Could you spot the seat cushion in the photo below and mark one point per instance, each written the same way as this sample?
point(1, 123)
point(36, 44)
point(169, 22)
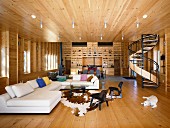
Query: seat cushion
point(35, 99)
point(81, 83)
point(54, 86)
point(22, 89)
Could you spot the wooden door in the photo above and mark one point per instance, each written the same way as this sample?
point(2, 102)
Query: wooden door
point(68, 66)
point(117, 67)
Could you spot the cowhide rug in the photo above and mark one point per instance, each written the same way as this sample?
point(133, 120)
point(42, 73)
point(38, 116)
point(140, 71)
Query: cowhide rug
point(78, 101)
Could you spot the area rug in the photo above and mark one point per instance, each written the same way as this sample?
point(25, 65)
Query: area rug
point(78, 101)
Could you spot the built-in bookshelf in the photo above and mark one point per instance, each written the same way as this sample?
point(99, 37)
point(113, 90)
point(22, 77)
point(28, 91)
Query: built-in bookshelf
point(93, 54)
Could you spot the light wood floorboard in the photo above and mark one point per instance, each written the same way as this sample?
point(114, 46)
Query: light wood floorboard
point(121, 113)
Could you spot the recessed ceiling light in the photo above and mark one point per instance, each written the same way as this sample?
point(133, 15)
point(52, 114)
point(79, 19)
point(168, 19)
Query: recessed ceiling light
point(122, 36)
point(137, 24)
point(41, 25)
point(33, 16)
point(145, 16)
point(105, 24)
point(73, 24)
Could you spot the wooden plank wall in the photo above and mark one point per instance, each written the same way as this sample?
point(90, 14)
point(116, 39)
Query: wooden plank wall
point(13, 66)
point(167, 60)
point(13, 58)
point(3, 83)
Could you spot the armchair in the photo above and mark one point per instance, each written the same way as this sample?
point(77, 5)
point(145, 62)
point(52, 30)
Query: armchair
point(101, 97)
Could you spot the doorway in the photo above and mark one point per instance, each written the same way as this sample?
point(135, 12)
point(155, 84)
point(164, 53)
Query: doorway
point(117, 67)
point(68, 66)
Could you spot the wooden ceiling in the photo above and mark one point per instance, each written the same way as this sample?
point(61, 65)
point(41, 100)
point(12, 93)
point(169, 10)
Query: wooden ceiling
point(89, 16)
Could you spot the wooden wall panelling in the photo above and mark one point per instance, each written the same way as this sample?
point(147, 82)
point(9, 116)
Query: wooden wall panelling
point(42, 56)
point(39, 56)
point(49, 55)
point(3, 83)
point(125, 59)
point(46, 55)
point(162, 52)
point(58, 48)
point(35, 75)
point(167, 61)
point(20, 58)
point(54, 54)
point(33, 57)
point(13, 58)
point(4, 54)
point(56, 57)
point(53, 60)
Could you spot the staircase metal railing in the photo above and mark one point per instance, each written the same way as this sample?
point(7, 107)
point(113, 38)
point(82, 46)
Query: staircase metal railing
point(139, 63)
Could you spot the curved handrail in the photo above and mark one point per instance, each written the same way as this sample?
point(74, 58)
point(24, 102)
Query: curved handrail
point(136, 47)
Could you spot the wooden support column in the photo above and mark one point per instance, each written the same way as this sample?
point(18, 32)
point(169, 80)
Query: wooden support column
point(167, 60)
point(39, 57)
point(33, 57)
point(43, 56)
point(20, 58)
point(13, 58)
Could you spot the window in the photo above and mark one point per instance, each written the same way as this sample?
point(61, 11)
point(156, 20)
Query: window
point(27, 64)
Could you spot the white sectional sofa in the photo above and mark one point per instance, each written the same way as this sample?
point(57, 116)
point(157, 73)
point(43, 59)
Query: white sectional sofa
point(29, 98)
point(38, 100)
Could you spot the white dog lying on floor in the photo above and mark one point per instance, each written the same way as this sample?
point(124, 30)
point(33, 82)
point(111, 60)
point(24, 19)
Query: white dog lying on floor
point(150, 101)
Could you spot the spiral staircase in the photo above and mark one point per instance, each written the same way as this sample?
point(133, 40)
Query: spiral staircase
point(147, 68)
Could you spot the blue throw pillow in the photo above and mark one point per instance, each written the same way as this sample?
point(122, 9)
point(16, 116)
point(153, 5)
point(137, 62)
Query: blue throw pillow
point(40, 82)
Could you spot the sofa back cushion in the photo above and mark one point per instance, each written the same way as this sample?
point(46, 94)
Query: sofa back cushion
point(22, 89)
point(46, 80)
point(10, 91)
point(33, 83)
point(83, 77)
point(41, 82)
point(76, 77)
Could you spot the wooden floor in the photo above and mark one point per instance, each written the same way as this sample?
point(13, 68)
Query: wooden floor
point(125, 113)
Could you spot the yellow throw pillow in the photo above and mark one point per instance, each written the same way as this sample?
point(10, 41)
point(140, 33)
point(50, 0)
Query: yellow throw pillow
point(46, 80)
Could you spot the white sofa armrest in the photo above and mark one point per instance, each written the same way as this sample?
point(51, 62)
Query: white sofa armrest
point(96, 83)
point(3, 99)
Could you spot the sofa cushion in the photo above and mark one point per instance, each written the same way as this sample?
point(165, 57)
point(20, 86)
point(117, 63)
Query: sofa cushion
point(35, 99)
point(46, 80)
point(83, 77)
point(81, 83)
point(89, 78)
point(53, 86)
point(10, 91)
point(94, 79)
point(22, 89)
point(76, 77)
point(41, 82)
point(33, 83)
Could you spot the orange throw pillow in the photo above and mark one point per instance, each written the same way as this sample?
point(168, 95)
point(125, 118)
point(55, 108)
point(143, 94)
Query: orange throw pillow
point(89, 78)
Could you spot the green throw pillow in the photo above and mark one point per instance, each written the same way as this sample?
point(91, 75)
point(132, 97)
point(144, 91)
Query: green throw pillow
point(61, 79)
